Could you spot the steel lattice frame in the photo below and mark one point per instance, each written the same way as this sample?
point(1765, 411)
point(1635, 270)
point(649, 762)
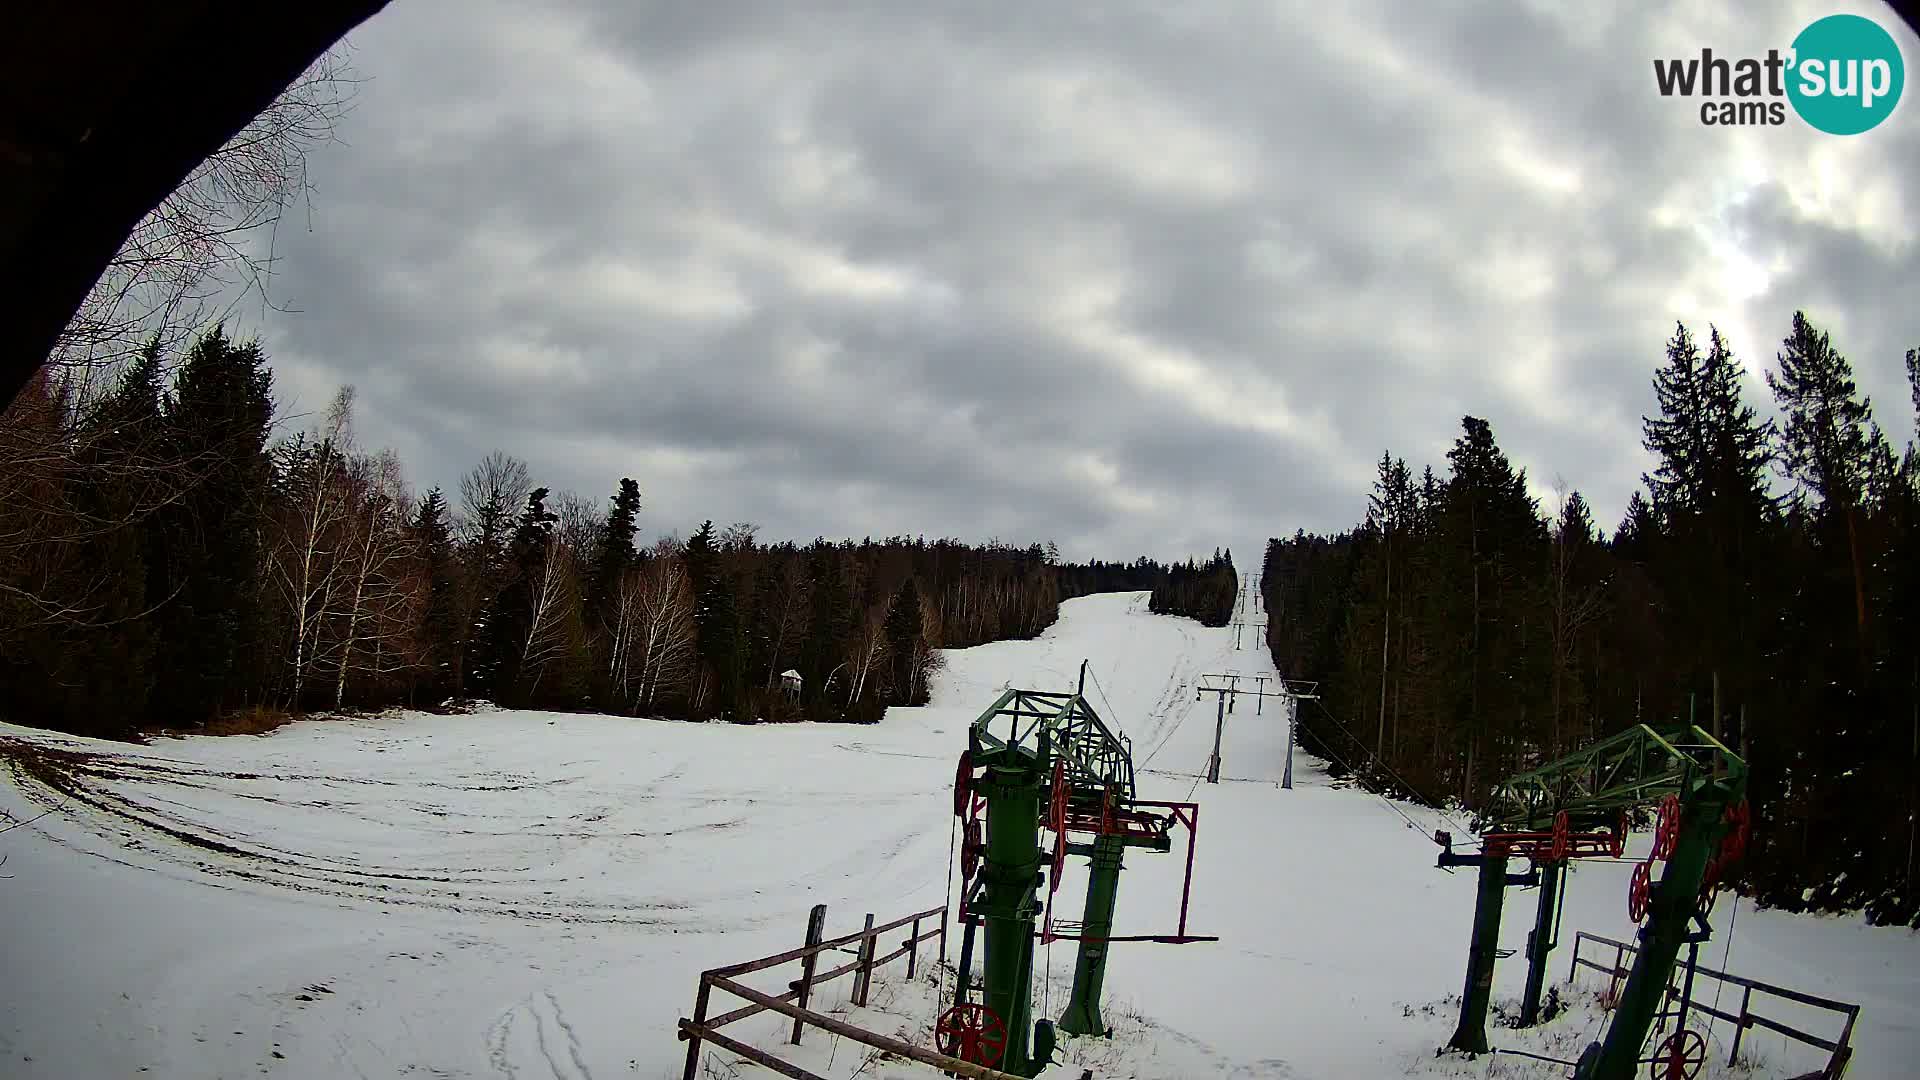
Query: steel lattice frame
point(1592, 785)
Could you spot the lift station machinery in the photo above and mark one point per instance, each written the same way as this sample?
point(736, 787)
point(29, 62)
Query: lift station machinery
point(1577, 807)
point(1039, 761)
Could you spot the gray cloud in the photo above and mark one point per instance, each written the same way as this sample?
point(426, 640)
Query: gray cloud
point(1138, 278)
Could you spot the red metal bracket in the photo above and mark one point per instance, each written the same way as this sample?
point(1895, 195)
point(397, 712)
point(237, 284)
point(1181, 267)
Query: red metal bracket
point(1133, 822)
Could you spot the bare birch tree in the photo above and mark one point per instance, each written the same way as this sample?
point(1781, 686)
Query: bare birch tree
point(491, 495)
point(376, 594)
point(581, 524)
point(657, 604)
point(554, 596)
point(302, 561)
point(788, 613)
point(869, 649)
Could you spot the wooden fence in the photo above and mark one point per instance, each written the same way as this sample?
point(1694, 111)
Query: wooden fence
point(703, 1028)
point(1839, 1050)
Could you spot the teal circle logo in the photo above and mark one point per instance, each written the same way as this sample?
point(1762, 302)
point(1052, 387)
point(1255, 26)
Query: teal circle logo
point(1846, 74)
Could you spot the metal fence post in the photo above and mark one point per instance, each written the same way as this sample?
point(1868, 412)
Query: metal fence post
point(913, 948)
point(864, 977)
point(816, 930)
point(1844, 1052)
point(1613, 977)
point(943, 933)
point(1740, 1030)
point(693, 1038)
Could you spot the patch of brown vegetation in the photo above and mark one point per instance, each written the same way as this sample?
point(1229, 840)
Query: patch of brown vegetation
point(252, 720)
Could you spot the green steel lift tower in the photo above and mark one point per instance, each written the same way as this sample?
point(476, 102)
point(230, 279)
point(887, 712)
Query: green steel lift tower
point(1044, 761)
point(1576, 807)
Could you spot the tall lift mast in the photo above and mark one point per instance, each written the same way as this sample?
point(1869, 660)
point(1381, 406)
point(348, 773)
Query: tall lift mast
point(1035, 760)
point(1551, 814)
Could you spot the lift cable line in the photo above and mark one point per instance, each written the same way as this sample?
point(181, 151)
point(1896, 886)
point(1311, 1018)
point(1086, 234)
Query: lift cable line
point(1726, 954)
point(1389, 770)
point(1226, 689)
point(1111, 711)
point(1161, 745)
point(1390, 804)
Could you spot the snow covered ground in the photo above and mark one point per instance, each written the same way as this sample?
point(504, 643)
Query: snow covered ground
point(530, 895)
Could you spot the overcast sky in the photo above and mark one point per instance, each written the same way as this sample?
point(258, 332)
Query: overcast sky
point(1135, 277)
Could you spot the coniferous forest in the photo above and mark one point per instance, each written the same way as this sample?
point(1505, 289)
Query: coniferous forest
point(1205, 592)
point(172, 558)
point(1764, 584)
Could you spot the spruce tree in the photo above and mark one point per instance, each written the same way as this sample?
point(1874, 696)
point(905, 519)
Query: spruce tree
point(1676, 436)
point(218, 421)
point(1827, 443)
point(904, 639)
point(829, 628)
point(1710, 491)
point(104, 658)
point(715, 617)
point(497, 668)
point(1493, 531)
point(440, 622)
point(615, 553)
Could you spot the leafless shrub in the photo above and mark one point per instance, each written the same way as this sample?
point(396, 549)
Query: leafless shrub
point(210, 244)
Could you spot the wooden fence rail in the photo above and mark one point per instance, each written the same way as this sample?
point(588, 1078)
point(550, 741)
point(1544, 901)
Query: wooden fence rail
point(702, 1028)
point(1839, 1050)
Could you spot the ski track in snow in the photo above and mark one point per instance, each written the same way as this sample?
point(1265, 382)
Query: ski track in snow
point(529, 896)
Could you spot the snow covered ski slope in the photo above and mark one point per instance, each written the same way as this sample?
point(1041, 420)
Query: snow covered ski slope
point(529, 895)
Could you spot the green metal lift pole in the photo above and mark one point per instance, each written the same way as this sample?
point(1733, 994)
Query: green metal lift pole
point(1471, 1035)
point(1090, 970)
point(1541, 942)
point(1011, 870)
point(1669, 910)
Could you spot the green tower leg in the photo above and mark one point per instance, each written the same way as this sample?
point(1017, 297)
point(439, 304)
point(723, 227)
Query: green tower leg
point(1090, 970)
point(1670, 909)
point(1471, 1035)
point(1008, 905)
point(1541, 942)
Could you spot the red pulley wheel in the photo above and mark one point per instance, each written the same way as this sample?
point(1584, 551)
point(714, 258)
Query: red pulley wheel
point(1618, 845)
point(1709, 881)
point(1562, 837)
point(963, 784)
point(1059, 862)
point(1639, 892)
point(1740, 825)
point(970, 849)
point(971, 1032)
point(1679, 1056)
point(1057, 811)
point(1666, 834)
